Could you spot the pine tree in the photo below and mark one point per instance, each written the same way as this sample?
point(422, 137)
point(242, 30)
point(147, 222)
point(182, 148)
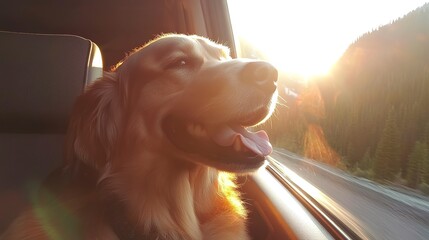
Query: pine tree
point(353, 153)
point(417, 165)
point(426, 161)
point(386, 163)
point(366, 161)
point(425, 164)
point(426, 135)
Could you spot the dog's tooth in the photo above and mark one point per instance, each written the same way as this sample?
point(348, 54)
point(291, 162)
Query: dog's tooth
point(196, 130)
point(237, 145)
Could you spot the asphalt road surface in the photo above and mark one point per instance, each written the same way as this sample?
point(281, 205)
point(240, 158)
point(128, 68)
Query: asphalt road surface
point(380, 212)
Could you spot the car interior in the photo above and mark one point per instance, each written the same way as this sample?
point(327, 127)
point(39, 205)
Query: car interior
point(50, 50)
point(44, 73)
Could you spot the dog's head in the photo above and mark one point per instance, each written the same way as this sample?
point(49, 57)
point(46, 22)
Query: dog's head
point(178, 96)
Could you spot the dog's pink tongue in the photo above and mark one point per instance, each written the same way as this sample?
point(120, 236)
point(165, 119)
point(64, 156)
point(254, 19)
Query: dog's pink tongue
point(257, 142)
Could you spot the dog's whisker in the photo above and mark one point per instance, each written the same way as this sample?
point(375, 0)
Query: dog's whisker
point(284, 102)
point(281, 98)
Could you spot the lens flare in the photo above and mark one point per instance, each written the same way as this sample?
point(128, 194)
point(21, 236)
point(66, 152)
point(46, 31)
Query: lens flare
point(55, 218)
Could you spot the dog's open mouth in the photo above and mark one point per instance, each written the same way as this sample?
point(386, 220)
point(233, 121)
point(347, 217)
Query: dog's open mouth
point(229, 146)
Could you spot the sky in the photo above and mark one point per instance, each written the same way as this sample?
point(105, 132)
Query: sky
point(306, 37)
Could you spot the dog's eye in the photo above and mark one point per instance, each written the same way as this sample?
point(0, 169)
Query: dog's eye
point(180, 63)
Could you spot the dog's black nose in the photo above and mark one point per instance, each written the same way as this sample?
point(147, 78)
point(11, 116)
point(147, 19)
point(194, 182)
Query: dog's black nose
point(261, 74)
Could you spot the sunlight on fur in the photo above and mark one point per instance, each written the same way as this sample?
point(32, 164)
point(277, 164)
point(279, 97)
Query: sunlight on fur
point(228, 188)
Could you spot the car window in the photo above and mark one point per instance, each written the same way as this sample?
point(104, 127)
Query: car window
point(351, 128)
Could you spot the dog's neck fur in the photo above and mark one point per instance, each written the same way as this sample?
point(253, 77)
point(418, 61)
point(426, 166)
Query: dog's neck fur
point(173, 195)
point(163, 193)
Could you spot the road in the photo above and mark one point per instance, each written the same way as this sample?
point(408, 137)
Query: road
point(380, 212)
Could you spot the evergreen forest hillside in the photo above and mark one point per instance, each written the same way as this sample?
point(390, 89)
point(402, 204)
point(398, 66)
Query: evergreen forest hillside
point(371, 114)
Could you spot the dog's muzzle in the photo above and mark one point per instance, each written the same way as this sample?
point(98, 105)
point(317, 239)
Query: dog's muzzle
point(227, 145)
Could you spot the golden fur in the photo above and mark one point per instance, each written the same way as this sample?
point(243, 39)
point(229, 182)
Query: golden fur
point(117, 148)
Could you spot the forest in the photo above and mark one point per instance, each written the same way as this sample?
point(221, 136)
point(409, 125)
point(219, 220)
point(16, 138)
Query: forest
point(370, 115)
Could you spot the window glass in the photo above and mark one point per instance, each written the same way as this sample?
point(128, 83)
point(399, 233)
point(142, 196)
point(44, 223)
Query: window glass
point(352, 119)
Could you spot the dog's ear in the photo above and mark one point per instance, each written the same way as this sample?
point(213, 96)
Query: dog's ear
point(95, 123)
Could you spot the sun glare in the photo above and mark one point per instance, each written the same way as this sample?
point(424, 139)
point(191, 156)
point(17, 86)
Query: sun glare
point(307, 37)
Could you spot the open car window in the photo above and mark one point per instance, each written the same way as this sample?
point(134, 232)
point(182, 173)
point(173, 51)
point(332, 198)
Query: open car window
point(351, 128)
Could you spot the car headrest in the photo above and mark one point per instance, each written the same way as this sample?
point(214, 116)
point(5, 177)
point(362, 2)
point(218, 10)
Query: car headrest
point(40, 77)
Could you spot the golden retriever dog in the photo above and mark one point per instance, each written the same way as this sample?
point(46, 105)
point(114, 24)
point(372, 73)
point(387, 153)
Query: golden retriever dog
point(152, 148)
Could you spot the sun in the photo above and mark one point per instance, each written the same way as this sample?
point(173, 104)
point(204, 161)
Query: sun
point(286, 39)
point(307, 37)
point(300, 62)
point(289, 42)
